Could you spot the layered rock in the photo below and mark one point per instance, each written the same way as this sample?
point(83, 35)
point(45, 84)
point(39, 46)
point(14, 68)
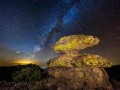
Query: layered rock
point(74, 71)
point(79, 61)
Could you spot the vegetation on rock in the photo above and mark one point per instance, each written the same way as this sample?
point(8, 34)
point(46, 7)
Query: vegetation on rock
point(72, 70)
point(75, 42)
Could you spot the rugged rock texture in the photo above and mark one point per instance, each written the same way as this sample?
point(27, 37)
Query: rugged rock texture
point(79, 61)
point(74, 71)
point(74, 43)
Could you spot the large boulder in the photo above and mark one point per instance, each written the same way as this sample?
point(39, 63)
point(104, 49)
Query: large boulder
point(84, 78)
point(75, 43)
point(74, 71)
point(79, 61)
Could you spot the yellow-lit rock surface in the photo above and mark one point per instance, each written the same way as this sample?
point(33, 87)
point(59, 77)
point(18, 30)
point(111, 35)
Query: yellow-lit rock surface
point(79, 61)
point(75, 43)
point(72, 70)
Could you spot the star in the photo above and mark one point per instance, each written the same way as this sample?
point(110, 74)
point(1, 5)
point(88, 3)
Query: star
point(18, 52)
point(28, 28)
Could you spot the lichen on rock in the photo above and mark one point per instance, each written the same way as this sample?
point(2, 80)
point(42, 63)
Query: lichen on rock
point(75, 71)
point(79, 61)
point(74, 43)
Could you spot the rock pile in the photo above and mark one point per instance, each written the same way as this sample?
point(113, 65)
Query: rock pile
point(74, 71)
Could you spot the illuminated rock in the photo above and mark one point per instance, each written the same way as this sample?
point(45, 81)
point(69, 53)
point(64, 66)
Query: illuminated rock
point(84, 78)
point(74, 71)
point(75, 43)
point(79, 61)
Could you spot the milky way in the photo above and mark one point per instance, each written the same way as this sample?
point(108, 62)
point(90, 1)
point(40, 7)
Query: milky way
point(28, 28)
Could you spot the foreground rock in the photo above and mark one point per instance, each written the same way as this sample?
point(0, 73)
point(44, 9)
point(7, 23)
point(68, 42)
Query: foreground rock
point(74, 43)
point(74, 71)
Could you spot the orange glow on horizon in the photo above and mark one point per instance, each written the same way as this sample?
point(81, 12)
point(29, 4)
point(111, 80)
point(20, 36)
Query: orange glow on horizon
point(25, 61)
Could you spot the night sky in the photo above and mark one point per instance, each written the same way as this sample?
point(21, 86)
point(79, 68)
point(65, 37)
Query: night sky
point(28, 28)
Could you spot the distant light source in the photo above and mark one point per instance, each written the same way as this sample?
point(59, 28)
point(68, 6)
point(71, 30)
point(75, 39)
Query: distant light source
point(25, 61)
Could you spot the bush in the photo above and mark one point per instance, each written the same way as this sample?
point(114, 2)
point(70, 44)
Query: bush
point(29, 73)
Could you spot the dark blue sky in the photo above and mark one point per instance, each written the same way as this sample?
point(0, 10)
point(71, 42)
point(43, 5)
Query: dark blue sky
point(30, 27)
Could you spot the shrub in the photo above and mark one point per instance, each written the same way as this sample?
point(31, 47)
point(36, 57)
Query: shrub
point(29, 74)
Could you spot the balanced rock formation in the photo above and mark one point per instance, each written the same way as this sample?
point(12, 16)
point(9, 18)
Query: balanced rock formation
point(74, 71)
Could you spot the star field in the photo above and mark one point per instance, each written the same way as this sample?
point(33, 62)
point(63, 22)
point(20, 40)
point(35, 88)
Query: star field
point(28, 28)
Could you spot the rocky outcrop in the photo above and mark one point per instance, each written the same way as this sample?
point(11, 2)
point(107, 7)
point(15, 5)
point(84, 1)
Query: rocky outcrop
point(74, 43)
point(74, 71)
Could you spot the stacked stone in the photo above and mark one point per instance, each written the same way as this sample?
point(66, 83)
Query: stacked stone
point(74, 71)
